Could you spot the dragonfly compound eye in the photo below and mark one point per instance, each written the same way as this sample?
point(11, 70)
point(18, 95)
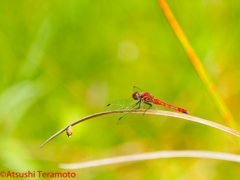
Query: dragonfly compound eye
point(135, 96)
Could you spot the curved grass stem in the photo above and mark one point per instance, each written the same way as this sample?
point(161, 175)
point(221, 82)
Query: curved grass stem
point(154, 155)
point(156, 112)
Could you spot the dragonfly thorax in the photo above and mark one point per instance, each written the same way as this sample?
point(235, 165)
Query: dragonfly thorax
point(147, 97)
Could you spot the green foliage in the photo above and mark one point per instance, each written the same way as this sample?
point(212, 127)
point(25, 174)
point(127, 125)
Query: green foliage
point(63, 60)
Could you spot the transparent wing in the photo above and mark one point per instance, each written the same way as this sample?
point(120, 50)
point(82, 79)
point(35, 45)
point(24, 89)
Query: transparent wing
point(129, 104)
point(136, 89)
point(133, 118)
point(121, 105)
point(154, 107)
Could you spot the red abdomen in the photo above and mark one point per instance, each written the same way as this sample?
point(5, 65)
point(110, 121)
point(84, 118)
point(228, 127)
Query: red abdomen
point(156, 101)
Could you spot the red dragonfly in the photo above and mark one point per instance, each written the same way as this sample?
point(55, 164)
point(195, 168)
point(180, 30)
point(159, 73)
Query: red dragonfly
point(144, 99)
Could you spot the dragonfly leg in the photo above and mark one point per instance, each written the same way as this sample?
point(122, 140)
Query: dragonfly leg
point(149, 107)
point(139, 102)
point(139, 105)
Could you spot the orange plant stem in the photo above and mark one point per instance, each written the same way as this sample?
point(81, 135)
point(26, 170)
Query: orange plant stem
point(198, 65)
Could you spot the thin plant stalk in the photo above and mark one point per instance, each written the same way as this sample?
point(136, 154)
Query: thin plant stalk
point(226, 114)
point(154, 155)
point(155, 112)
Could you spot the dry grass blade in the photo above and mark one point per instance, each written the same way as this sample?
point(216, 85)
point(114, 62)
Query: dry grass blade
point(154, 155)
point(156, 112)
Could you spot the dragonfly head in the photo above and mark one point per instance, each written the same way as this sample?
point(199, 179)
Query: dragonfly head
point(136, 96)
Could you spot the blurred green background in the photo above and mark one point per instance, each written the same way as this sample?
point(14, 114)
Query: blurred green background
point(63, 60)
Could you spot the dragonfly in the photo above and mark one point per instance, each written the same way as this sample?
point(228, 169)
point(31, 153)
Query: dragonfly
point(141, 99)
